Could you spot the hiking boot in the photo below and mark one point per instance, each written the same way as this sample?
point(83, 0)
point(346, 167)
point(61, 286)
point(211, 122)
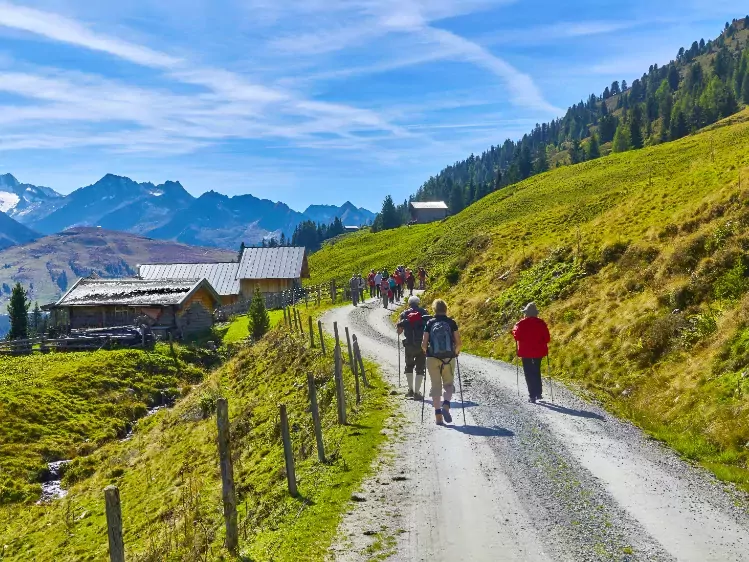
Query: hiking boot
point(418, 396)
point(410, 393)
point(532, 399)
point(438, 417)
point(446, 412)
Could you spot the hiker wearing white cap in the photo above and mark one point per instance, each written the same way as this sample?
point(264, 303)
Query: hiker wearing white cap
point(532, 337)
point(411, 324)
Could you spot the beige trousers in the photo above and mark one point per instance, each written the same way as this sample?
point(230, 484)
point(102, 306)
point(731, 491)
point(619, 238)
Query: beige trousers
point(442, 375)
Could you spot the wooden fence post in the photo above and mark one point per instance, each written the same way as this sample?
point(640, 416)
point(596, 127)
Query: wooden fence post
point(357, 353)
point(335, 333)
point(322, 340)
point(288, 453)
point(296, 321)
point(316, 417)
point(114, 524)
point(319, 296)
point(301, 324)
point(350, 351)
point(333, 290)
point(229, 496)
point(339, 387)
point(311, 333)
point(355, 364)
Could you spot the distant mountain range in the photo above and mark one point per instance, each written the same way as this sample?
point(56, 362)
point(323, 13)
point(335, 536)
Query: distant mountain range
point(166, 211)
point(48, 266)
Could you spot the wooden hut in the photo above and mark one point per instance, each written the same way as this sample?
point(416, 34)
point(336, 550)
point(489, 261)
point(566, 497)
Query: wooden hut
point(221, 276)
point(271, 269)
point(427, 211)
point(181, 306)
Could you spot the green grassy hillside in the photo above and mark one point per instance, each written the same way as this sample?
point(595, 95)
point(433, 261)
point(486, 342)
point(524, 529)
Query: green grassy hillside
point(168, 472)
point(639, 263)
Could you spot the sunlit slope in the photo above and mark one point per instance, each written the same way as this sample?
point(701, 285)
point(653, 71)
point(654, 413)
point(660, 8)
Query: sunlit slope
point(610, 249)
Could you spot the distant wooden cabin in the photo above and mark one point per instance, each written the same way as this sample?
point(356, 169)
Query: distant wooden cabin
point(181, 306)
point(270, 269)
point(428, 211)
point(221, 276)
point(351, 228)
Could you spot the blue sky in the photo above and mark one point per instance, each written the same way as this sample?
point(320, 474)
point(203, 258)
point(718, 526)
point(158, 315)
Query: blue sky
point(316, 101)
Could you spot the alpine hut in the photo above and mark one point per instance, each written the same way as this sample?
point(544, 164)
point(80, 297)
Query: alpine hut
point(180, 306)
point(427, 211)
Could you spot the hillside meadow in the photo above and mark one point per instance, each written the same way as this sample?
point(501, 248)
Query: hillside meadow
point(81, 405)
point(638, 261)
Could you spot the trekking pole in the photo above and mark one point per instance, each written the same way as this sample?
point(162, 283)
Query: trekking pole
point(423, 398)
point(460, 386)
point(548, 376)
point(517, 368)
point(397, 335)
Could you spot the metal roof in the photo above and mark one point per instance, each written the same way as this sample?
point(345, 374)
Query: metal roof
point(132, 292)
point(429, 205)
point(288, 262)
point(221, 276)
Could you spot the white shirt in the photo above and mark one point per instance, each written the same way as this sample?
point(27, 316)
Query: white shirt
point(378, 278)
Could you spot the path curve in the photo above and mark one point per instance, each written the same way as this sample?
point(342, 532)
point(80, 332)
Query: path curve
point(564, 481)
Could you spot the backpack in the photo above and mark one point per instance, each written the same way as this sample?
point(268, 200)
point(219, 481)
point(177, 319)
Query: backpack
point(414, 326)
point(441, 340)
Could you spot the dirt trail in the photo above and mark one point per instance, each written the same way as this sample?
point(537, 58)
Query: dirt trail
point(563, 481)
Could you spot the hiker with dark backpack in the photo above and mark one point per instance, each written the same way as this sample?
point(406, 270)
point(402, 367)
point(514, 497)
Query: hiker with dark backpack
point(532, 337)
point(384, 290)
point(410, 282)
point(441, 344)
point(411, 324)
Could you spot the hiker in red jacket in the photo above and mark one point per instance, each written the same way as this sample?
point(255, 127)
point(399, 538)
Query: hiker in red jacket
point(532, 337)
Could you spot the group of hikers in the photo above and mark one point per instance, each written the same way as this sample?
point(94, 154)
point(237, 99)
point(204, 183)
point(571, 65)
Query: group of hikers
point(432, 343)
point(389, 287)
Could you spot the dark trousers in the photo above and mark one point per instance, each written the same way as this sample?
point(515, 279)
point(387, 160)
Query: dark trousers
point(532, 370)
point(415, 358)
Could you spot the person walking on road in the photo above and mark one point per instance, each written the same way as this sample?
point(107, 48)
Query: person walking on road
point(411, 324)
point(362, 285)
point(354, 286)
point(392, 286)
point(422, 278)
point(441, 343)
point(410, 282)
point(378, 283)
point(384, 290)
point(532, 337)
point(398, 284)
point(371, 283)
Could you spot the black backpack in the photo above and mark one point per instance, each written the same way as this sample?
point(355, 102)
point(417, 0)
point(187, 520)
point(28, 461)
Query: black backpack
point(413, 325)
point(441, 339)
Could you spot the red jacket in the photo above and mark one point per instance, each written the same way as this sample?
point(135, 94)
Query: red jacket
point(532, 336)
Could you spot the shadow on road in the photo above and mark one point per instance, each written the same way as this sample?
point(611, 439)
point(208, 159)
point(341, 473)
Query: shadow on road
point(571, 412)
point(478, 431)
point(456, 405)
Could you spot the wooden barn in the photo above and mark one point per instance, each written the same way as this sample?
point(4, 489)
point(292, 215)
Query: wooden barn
point(221, 276)
point(428, 211)
point(181, 306)
point(271, 269)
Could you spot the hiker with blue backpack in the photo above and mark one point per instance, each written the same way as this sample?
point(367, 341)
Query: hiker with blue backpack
point(441, 343)
point(411, 324)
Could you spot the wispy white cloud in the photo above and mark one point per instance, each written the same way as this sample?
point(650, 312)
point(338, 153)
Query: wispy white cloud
point(66, 30)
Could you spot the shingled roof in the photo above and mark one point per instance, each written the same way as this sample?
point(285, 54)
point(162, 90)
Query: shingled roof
point(132, 292)
point(288, 262)
point(222, 276)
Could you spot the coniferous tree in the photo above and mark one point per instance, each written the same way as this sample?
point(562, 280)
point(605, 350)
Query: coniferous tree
point(745, 89)
point(259, 321)
point(635, 128)
point(622, 141)
point(594, 150)
point(389, 214)
point(456, 200)
point(542, 162)
point(18, 311)
point(36, 320)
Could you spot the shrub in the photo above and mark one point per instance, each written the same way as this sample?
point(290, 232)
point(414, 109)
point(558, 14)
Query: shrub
point(686, 257)
point(452, 275)
point(259, 321)
point(656, 336)
point(732, 284)
point(613, 252)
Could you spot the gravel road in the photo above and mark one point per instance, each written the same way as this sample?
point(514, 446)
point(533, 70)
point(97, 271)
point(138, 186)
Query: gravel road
point(563, 481)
